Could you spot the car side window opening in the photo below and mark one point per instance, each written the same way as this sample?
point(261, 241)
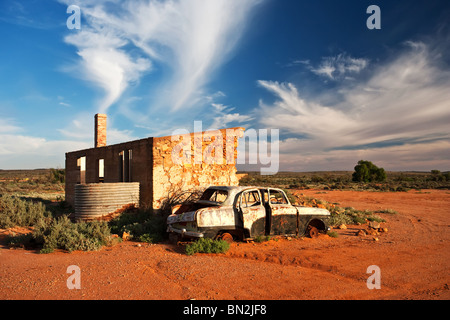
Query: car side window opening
point(250, 199)
point(277, 197)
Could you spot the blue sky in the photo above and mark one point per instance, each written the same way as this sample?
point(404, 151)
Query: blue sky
point(336, 91)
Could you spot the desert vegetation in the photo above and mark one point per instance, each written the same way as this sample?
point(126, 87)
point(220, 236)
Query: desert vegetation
point(343, 180)
point(205, 245)
point(34, 199)
point(366, 171)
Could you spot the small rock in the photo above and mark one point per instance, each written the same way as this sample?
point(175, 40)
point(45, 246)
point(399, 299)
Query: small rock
point(374, 224)
point(362, 233)
point(382, 230)
point(375, 239)
point(125, 236)
point(342, 227)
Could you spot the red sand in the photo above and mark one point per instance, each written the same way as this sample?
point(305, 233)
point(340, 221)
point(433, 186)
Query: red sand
point(413, 257)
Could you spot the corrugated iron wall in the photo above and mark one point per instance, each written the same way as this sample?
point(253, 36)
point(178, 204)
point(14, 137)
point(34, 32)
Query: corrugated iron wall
point(94, 200)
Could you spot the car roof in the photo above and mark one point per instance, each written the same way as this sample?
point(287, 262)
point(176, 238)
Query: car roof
point(234, 190)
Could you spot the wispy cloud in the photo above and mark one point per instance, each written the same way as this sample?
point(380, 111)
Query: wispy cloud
point(336, 67)
point(193, 38)
point(20, 150)
point(106, 63)
point(223, 116)
point(398, 112)
point(81, 130)
point(9, 125)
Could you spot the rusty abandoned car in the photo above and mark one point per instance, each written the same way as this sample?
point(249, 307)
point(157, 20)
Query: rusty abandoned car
point(243, 213)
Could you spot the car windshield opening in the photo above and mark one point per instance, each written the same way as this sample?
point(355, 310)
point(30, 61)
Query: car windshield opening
point(218, 196)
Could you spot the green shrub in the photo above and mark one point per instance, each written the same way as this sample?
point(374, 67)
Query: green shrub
point(359, 220)
point(333, 234)
point(61, 233)
point(376, 218)
point(366, 171)
point(206, 245)
point(17, 212)
point(57, 175)
point(338, 219)
point(260, 239)
point(141, 225)
point(150, 238)
point(390, 211)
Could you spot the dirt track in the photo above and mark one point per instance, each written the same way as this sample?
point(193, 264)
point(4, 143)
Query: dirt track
point(413, 256)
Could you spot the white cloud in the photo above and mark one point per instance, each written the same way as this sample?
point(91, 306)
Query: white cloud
point(82, 130)
point(193, 37)
point(105, 64)
point(8, 125)
point(304, 155)
point(29, 152)
point(299, 116)
point(223, 116)
point(22, 151)
point(399, 115)
point(338, 67)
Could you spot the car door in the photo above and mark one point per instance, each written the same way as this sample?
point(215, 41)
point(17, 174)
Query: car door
point(253, 212)
point(283, 214)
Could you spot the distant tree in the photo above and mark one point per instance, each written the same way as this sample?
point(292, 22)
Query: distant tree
point(58, 175)
point(447, 176)
point(366, 171)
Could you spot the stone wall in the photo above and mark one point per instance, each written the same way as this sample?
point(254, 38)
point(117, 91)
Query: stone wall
point(161, 165)
point(125, 162)
point(194, 161)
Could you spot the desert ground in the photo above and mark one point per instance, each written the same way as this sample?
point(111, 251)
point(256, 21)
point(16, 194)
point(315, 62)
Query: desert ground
point(413, 257)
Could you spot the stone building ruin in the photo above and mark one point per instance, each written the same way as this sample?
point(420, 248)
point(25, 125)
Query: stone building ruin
point(149, 164)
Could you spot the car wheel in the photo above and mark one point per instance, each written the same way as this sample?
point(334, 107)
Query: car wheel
point(226, 237)
point(312, 232)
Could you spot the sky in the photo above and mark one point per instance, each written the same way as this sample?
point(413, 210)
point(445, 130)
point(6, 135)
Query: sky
point(335, 90)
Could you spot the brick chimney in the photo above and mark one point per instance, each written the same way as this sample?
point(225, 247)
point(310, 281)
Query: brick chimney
point(100, 130)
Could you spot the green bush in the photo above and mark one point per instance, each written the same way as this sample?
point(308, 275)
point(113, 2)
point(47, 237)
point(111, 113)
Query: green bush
point(57, 175)
point(150, 238)
point(142, 225)
point(366, 171)
point(333, 234)
point(206, 245)
point(61, 233)
point(338, 219)
point(260, 239)
point(17, 212)
point(376, 218)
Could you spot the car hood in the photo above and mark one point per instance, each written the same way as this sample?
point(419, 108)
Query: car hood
point(311, 210)
point(184, 217)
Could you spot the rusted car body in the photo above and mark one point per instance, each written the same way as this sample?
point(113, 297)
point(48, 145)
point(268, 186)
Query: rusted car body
point(245, 213)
